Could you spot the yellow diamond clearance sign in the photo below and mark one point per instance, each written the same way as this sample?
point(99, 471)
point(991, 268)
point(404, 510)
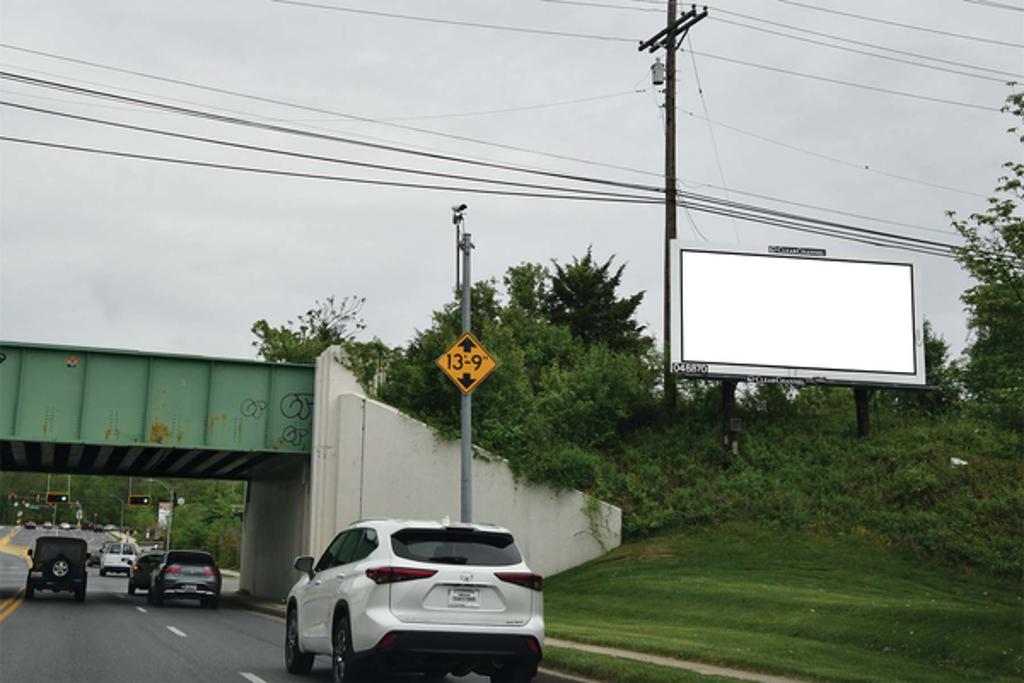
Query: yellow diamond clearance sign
point(467, 363)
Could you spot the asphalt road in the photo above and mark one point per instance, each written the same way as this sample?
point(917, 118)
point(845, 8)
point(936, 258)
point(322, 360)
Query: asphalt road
point(116, 638)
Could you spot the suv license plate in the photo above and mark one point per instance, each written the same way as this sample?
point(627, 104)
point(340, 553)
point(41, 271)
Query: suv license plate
point(190, 588)
point(463, 597)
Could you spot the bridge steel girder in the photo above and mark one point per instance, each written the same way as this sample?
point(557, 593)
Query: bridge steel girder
point(101, 411)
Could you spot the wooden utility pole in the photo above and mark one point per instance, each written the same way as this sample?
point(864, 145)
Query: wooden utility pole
point(670, 38)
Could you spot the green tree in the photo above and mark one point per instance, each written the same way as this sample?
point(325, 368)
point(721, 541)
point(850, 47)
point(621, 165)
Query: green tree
point(329, 322)
point(583, 297)
point(940, 373)
point(993, 254)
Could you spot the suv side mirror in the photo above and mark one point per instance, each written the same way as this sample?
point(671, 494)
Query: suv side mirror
point(304, 563)
point(30, 552)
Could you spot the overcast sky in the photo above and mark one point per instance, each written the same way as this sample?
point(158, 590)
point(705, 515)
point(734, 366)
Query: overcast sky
point(123, 253)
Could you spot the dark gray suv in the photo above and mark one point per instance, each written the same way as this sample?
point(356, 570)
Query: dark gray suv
point(186, 574)
point(142, 571)
point(58, 564)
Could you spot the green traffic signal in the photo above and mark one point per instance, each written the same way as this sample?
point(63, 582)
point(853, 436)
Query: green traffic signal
point(138, 500)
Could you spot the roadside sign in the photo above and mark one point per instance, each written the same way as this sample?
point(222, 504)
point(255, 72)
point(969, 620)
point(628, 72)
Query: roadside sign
point(467, 363)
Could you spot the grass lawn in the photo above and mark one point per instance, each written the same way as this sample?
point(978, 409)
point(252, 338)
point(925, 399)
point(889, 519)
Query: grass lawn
point(837, 609)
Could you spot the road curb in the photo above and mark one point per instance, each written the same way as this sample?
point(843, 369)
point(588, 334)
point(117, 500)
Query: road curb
point(269, 608)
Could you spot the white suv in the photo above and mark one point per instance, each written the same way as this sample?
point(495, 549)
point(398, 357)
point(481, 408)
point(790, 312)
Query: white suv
point(396, 595)
point(117, 557)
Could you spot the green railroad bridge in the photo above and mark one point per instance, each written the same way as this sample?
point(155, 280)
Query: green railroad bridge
point(100, 411)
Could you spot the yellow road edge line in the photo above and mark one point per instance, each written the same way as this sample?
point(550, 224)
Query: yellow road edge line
point(15, 605)
point(16, 550)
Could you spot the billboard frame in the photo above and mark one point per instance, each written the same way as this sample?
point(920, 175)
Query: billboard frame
point(791, 375)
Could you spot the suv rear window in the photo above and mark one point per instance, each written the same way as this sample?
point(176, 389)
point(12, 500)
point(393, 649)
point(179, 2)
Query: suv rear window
point(201, 559)
point(50, 550)
point(446, 546)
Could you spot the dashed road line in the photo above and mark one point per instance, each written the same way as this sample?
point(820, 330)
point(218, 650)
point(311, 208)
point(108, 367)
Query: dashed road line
point(252, 678)
point(141, 609)
point(176, 632)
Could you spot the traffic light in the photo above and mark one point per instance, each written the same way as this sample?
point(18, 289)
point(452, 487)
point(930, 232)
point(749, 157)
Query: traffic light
point(138, 500)
point(52, 497)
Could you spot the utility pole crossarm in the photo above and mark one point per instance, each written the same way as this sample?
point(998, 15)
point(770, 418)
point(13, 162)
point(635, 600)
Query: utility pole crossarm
point(660, 39)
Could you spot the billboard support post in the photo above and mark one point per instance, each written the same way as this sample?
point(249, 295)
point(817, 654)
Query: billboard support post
point(861, 396)
point(730, 440)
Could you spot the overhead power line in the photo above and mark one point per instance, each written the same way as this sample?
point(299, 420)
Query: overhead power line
point(839, 81)
point(778, 200)
point(831, 36)
point(698, 202)
point(827, 157)
point(302, 155)
point(391, 168)
point(996, 5)
point(90, 92)
point(791, 72)
point(780, 220)
point(866, 53)
point(312, 176)
point(912, 27)
point(458, 22)
point(298, 132)
point(711, 131)
point(321, 110)
point(861, 43)
point(510, 110)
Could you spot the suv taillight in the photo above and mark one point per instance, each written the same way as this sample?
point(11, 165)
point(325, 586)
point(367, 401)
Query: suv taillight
point(211, 571)
point(172, 569)
point(394, 574)
point(135, 567)
point(524, 579)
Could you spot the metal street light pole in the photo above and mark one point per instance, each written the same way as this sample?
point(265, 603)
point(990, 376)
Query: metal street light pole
point(121, 503)
point(170, 516)
point(465, 246)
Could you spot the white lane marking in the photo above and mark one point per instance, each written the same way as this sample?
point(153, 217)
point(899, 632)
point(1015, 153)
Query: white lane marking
point(252, 678)
point(176, 632)
point(141, 609)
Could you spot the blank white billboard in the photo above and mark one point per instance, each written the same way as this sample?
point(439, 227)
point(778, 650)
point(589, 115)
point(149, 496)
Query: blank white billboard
point(796, 316)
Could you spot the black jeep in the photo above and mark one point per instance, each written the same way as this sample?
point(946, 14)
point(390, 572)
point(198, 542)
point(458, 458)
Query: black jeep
point(58, 564)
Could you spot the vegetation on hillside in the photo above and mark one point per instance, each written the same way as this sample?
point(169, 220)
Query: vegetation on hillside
point(576, 403)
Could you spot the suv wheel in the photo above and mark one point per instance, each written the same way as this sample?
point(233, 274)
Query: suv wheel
point(80, 594)
point(131, 588)
point(342, 666)
point(295, 660)
point(30, 590)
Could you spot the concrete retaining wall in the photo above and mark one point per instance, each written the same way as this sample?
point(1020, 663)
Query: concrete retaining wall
point(373, 461)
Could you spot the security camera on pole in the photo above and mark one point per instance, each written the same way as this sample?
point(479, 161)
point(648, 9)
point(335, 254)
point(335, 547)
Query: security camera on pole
point(466, 363)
